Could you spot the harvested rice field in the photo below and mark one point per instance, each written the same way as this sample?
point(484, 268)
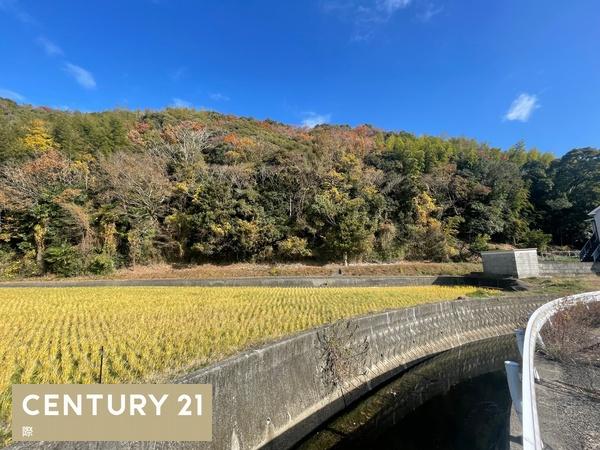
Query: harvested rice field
point(54, 335)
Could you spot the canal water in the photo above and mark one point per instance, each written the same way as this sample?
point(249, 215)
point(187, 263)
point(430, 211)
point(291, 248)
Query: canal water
point(457, 400)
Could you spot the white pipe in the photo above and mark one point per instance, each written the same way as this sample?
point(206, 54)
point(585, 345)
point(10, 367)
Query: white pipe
point(513, 375)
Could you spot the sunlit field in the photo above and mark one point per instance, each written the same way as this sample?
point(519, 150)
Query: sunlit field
point(54, 335)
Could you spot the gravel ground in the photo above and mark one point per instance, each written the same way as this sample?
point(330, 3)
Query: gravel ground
point(568, 401)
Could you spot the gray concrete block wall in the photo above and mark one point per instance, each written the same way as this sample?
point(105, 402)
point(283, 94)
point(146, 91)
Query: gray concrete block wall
point(274, 396)
point(521, 263)
point(565, 269)
point(332, 281)
point(400, 397)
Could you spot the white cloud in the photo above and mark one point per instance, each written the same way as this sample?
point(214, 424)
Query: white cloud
point(429, 12)
point(312, 119)
point(391, 6)
point(49, 47)
point(218, 97)
point(180, 103)
point(7, 93)
point(522, 107)
point(82, 76)
point(62, 107)
point(365, 15)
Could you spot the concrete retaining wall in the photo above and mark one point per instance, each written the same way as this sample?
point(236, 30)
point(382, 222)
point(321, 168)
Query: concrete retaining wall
point(521, 263)
point(381, 411)
point(274, 396)
point(556, 268)
point(283, 396)
point(333, 281)
point(527, 263)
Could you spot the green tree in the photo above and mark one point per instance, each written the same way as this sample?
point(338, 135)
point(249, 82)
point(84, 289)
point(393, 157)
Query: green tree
point(576, 192)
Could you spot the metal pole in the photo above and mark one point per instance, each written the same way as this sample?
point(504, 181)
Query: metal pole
point(520, 335)
point(101, 361)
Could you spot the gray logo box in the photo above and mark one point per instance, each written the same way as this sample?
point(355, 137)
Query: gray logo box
point(112, 412)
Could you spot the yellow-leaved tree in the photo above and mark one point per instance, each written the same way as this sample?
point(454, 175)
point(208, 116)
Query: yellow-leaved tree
point(430, 237)
point(38, 138)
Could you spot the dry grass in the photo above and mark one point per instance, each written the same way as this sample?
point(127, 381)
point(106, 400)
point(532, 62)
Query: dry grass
point(562, 287)
point(572, 335)
point(53, 335)
point(204, 271)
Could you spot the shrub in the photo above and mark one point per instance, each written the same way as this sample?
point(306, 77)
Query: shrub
point(265, 254)
point(27, 266)
point(570, 336)
point(293, 248)
point(480, 243)
point(387, 247)
point(101, 265)
point(537, 239)
point(63, 260)
point(9, 265)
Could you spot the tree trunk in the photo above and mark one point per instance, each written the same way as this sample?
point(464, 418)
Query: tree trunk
point(39, 233)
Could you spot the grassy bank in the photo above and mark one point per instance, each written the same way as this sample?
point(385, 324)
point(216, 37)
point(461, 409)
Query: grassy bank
point(204, 271)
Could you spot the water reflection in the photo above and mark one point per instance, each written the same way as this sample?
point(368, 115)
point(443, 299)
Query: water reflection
point(456, 400)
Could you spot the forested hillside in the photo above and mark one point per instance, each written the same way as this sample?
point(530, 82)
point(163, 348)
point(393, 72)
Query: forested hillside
point(91, 192)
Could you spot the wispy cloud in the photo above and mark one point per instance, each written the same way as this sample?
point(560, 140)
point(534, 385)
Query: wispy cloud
point(365, 15)
point(218, 97)
point(82, 76)
point(178, 73)
point(49, 47)
point(181, 103)
point(62, 107)
point(391, 6)
point(430, 11)
point(522, 107)
point(312, 119)
point(14, 8)
point(7, 93)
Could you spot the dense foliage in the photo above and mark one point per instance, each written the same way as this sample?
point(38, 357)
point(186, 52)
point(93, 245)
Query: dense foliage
point(91, 192)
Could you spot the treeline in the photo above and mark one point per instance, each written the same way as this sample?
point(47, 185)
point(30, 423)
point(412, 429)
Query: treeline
point(91, 192)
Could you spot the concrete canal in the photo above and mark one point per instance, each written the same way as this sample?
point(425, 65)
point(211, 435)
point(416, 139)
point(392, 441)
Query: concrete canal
point(458, 399)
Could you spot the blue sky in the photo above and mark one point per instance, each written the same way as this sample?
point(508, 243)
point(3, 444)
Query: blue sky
point(498, 71)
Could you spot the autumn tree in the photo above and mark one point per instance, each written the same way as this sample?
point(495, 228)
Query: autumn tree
point(45, 195)
point(38, 138)
point(138, 186)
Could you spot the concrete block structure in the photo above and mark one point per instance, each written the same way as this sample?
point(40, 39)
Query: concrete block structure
point(522, 263)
